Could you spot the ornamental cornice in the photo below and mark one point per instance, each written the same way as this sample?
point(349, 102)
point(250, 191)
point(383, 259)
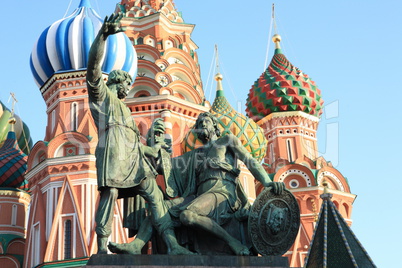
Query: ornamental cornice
point(157, 19)
point(59, 161)
point(164, 98)
point(320, 189)
point(15, 193)
point(288, 114)
point(62, 76)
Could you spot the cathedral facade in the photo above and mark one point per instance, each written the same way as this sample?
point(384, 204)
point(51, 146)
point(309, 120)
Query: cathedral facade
point(279, 129)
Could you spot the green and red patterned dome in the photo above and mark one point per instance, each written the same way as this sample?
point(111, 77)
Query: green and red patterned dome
point(13, 162)
point(283, 87)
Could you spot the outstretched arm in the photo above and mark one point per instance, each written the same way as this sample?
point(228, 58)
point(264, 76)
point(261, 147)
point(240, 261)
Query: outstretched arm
point(255, 168)
point(110, 26)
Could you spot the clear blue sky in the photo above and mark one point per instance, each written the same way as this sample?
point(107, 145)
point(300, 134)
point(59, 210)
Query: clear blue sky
point(351, 49)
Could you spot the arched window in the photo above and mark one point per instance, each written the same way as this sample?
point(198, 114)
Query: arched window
point(271, 152)
point(140, 41)
point(346, 208)
point(169, 44)
point(67, 239)
point(53, 119)
point(14, 215)
point(74, 116)
point(245, 183)
point(36, 245)
point(289, 149)
point(309, 149)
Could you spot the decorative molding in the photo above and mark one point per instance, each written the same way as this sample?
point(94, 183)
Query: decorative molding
point(288, 114)
point(59, 161)
point(295, 172)
point(332, 176)
point(15, 193)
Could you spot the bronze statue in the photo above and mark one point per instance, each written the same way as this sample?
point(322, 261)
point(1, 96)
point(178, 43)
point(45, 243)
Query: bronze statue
point(123, 169)
point(210, 192)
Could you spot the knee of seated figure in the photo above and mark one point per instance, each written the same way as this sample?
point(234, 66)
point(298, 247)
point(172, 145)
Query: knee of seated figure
point(188, 217)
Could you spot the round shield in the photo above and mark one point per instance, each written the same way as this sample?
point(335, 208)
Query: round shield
point(273, 222)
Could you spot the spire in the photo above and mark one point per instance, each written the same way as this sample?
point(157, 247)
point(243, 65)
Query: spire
point(276, 38)
point(334, 243)
point(218, 76)
point(12, 119)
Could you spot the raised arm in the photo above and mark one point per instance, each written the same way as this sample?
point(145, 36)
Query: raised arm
point(110, 26)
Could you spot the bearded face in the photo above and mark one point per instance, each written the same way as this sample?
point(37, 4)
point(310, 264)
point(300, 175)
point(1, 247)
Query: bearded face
point(276, 220)
point(205, 129)
point(119, 82)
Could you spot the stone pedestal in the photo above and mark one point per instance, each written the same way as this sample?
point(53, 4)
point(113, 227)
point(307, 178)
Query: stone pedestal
point(184, 261)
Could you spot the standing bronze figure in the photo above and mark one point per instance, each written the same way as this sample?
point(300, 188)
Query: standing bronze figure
point(123, 169)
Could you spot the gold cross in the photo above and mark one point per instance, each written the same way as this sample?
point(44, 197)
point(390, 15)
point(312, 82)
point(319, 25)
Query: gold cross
point(12, 95)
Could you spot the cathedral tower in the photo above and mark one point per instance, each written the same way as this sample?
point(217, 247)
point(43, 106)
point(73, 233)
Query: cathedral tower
point(168, 83)
point(287, 104)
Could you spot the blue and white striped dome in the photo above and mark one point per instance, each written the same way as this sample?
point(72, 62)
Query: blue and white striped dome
point(64, 46)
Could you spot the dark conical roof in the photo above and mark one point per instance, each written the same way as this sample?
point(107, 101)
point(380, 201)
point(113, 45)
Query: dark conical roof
point(334, 243)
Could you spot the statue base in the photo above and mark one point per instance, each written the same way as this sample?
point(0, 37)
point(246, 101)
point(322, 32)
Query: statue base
point(187, 261)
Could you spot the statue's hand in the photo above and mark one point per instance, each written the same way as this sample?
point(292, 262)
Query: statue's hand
point(158, 127)
point(156, 136)
point(277, 187)
point(242, 214)
point(111, 25)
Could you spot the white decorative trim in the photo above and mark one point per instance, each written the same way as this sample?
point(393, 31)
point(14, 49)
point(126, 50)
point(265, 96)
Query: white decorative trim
point(85, 181)
point(332, 176)
point(295, 172)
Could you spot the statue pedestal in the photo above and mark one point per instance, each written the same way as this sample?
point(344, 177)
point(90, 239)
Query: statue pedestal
point(183, 261)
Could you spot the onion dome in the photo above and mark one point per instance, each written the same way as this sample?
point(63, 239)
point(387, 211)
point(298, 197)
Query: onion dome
point(13, 162)
point(283, 87)
point(230, 121)
point(64, 46)
point(21, 130)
